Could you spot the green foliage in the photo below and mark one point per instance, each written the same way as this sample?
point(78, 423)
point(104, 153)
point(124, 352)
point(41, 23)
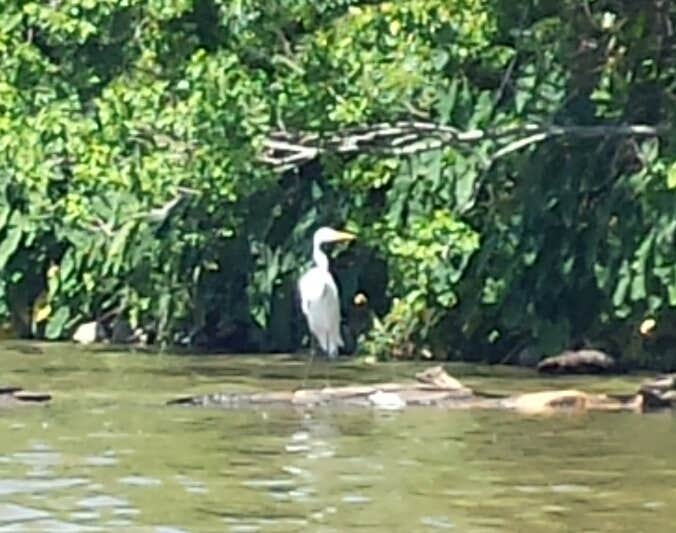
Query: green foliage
point(110, 108)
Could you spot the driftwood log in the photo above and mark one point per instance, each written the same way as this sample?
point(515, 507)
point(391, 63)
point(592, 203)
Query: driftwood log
point(577, 362)
point(14, 396)
point(431, 388)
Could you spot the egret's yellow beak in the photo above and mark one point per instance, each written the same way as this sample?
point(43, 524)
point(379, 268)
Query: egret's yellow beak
point(343, 236)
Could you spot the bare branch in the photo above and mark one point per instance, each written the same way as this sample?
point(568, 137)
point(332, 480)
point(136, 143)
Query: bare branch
point(506, 80)
point(519, 144)
point(278, 58)
point(283, 149)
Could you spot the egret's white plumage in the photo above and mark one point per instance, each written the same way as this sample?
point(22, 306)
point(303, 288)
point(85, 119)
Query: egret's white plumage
point(319, 297)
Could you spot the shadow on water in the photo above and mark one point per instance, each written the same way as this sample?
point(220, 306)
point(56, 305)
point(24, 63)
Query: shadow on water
point(106, 454)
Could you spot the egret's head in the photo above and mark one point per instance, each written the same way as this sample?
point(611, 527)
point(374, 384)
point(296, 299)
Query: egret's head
point(326, 234)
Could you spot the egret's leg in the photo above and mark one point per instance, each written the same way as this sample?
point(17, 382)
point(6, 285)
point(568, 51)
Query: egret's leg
point(327, 383)
point(313, 350)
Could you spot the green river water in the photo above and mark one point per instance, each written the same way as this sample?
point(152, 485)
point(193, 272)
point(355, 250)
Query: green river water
point(107, 455)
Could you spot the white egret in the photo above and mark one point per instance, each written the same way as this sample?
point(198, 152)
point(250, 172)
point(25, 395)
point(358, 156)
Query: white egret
point(319, 298)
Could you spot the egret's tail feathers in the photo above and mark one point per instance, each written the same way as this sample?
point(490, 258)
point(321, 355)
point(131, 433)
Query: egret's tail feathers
point(330, 343)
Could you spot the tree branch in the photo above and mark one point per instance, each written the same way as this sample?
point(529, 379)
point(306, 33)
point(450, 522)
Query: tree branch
point(283, 150)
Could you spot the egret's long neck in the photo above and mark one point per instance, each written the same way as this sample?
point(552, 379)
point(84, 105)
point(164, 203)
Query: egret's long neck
point(319, 257)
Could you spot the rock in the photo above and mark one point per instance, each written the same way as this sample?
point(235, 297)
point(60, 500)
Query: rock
point(89, 332)
point(389, 401)
point(661, 383)
point(669, 396)
point(144, 337)
point(659, 392)
point(527, 356)
point(437, 377)
point(539, 402)
point(571, 400)
point(121, 332)
point(577, 362)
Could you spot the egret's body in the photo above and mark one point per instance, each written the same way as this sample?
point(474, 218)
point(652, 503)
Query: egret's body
point(319, 297)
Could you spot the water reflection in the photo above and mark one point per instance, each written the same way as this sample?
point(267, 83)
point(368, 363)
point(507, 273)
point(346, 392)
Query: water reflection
point(108, 455)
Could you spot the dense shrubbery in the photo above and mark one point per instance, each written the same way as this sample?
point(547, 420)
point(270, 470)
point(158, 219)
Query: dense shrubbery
point(108, 107)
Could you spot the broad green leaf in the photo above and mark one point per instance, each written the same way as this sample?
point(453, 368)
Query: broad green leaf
point(119, 242)
point(440, 58)
point(9, 245)
point(650, 149)
point(57, 322)
point(464, 189)
point(671, 176)
point(620, 293)
point(446, 101)
point(483, 109)
point(5, 212)
point(638, 287)
point(671, 291)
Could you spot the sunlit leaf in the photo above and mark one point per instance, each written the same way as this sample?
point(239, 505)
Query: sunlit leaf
point(671, 176)
point(9, 245)
point(57, 322)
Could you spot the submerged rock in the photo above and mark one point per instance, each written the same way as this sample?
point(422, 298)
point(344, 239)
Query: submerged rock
point(389, 401)
point(32, 396)
point(577, 362)
point(660, 392)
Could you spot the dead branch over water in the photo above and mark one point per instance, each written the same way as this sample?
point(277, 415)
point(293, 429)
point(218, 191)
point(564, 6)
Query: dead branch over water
point(284, 150)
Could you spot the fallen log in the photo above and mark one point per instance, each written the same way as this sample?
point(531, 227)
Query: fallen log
point(432, 388)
